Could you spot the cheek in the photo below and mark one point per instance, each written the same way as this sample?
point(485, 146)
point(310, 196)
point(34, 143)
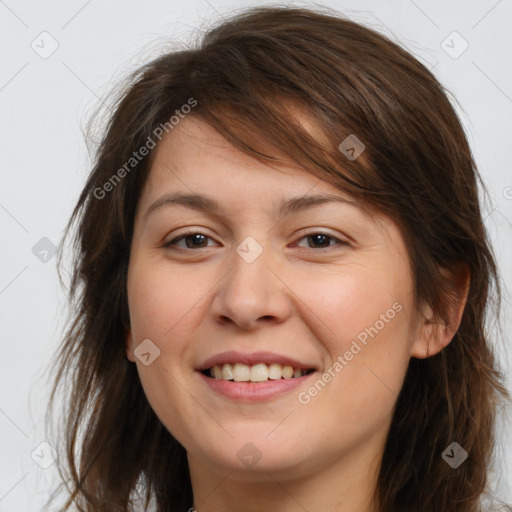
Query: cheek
point(162, 303)
point(358, 303)
point(365, 334)
point(161, 300)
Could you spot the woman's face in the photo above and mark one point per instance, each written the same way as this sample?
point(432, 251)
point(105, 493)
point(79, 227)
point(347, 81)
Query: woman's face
point(272, 278)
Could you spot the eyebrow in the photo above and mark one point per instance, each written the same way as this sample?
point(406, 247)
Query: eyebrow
point(208, 204)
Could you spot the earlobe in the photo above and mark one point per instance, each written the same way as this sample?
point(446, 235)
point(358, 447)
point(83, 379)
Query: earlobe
point(435, 334)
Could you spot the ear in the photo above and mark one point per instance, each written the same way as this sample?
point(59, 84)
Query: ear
point(130, 346)
point(435, 334)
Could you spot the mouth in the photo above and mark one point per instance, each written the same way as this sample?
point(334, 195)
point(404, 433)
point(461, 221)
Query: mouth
point(254, 377)
point(259, 372)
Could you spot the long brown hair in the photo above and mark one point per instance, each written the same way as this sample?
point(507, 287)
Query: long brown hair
point(417, 169)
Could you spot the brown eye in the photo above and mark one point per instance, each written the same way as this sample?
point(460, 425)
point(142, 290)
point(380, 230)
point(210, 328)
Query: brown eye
point(322, 241)
point(194, 240)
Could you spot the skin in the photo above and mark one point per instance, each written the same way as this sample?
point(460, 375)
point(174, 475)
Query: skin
point(298, 299)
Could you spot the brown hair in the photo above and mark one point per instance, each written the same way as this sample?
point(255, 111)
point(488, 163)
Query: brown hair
point(417, 169)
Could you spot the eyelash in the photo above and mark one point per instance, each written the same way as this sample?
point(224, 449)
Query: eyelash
point(168, 245)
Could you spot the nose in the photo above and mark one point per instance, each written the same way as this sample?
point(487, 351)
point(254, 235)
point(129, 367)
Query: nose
point(252, 293)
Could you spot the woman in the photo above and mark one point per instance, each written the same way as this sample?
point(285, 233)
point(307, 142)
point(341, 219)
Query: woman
point(281, 279)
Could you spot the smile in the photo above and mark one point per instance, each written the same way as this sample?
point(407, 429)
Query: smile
point(254, 377)
point(260, 372)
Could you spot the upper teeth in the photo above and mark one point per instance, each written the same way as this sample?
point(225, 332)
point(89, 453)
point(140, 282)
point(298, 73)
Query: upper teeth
point(260, 372)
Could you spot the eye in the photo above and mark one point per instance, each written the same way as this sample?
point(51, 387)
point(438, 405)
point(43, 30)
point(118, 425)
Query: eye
point(322, 240)
point(193, 240)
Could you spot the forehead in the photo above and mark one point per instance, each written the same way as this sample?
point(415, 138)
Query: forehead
point(194, 157)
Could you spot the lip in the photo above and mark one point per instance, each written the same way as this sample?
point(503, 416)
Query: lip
point(250, 392)
point(252, 359)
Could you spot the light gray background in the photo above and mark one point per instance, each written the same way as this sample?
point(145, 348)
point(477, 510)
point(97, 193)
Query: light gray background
point(44, 162)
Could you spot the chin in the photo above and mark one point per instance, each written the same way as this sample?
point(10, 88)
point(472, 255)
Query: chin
point(254, 457)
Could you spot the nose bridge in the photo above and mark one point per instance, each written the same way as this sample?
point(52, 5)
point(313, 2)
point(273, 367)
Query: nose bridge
point(250, 277)
point(250, 290)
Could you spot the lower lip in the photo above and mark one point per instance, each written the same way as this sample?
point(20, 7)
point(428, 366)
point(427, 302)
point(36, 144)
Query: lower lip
point(254, 391)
